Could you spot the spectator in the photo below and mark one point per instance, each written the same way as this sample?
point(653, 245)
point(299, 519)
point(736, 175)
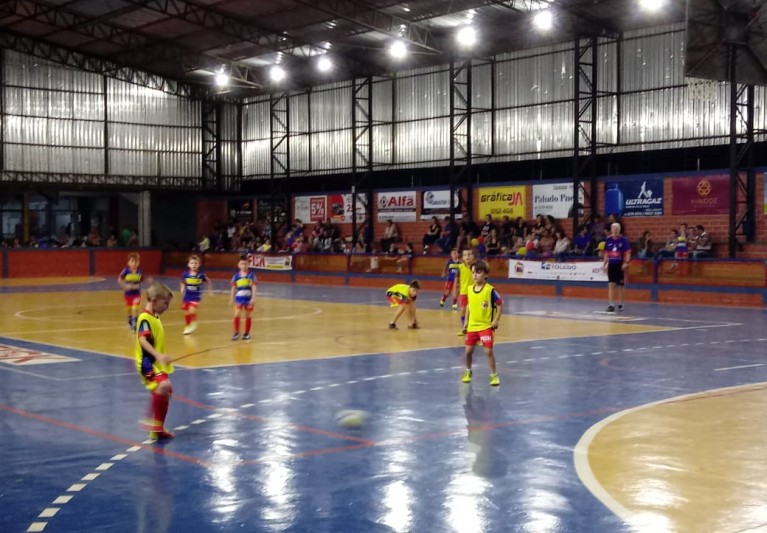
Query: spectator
point(448, 237)
point(403, 261)
point(507, 232)
point(644, 246)
point(562, 246)
point(204, 244)
point(701, 243)
point(492, 244)
point(546, 243)
point(432, 235)
point(670, 247)
point(489, 225)
point(112, 241)
point(582, 242)
point(391, 235)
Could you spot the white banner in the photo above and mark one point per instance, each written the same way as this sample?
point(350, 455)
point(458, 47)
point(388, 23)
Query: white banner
point(550, 270)
point(270, 262)
point(311, 208)
point(437, 203)
point(398, 206)
point(554, 199)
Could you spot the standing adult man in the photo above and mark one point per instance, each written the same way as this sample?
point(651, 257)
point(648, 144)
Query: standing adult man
point(616, 260)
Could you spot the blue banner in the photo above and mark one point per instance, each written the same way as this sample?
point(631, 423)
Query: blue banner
point(634, 198)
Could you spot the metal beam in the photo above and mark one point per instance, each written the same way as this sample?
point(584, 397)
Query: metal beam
point(101, 181)
point(460, 131)
point(584, 130)
point(362, 155)
point(279, 151)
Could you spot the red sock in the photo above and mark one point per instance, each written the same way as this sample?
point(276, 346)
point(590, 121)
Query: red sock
point(188, 319)
point(455, 301)
point(192, 317)
point(237, 324)
point(248, 322)
point(159, 410)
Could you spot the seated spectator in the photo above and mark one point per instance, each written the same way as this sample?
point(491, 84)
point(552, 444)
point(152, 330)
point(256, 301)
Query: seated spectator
point(204, 244)
point(531, 245)
point(582, 242)
point(492, 243)
point(701, 243)
point(487, 227)
point(432, 235)
point(670, 247)
point(546, 243)
point(562, 246)
point(448, 237)
point(507, 232)
point(390, 236)
point(405, 256)
point(644, 246)
point(112, 241)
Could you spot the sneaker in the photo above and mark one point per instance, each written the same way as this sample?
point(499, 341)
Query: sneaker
point(466, 376)
point(414, 325)
point(246, 337)
point(187, 330)
point(454, 307)
point(392, 325)
point(235, 336)
point(442, 303)
point(620, 308)
point(161, 435)
point(611, 309)
point(462, 333)
point(495, 380)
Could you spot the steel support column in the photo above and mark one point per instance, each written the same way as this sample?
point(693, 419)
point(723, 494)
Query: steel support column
point(584, 131)
point(742, 219)
point(279, 150)
point(460, 132)
point(362, 155)
point(211, 146)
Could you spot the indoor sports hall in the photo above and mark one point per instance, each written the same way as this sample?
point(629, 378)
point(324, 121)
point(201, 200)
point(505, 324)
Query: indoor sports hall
point(350, 266)
point(601, 423)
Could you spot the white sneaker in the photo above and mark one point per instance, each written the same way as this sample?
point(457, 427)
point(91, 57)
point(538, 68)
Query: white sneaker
point(190, 328)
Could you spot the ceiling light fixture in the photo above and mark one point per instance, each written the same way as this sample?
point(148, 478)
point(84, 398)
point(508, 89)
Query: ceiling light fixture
point(651, 5)
point(324, 64)
point(398, 50)
point(277, 73)
point(543, 20)
point(466, 36)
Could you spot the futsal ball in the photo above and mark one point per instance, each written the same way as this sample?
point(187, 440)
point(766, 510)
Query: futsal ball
point(475, 242)
point(351, 418)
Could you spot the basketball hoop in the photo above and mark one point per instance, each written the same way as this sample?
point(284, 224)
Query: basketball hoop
point(700, 90)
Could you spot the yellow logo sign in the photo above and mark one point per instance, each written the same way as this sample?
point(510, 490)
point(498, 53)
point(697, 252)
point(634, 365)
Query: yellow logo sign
point(502, 201)
point(704, 187)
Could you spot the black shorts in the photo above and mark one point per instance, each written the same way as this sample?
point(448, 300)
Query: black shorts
point(615, 273)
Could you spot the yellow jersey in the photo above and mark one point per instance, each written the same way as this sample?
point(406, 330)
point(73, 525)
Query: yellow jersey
point(483, 307)
point(464, 278)
point(149, 326)
point(400, 291)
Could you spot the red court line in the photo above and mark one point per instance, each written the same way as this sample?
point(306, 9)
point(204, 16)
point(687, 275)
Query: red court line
point(106, 436)
point(257, 418)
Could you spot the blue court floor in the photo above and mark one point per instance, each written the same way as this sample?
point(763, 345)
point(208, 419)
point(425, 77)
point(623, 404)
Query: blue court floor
point(258, 448)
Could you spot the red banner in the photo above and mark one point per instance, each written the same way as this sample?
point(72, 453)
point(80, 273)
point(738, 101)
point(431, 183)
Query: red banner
point(701, 195)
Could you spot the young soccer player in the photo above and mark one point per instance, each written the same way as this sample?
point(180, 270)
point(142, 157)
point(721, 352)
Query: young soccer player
point(464, 282)
point(403, 296)
point(152, 363)
point(482, 316)
point(244, 284)
point(130, 281)
point(451, 271)
point(191, 292)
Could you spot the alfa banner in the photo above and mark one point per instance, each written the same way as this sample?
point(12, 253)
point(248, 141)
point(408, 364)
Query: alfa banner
point(270, 262)
point(551, 270)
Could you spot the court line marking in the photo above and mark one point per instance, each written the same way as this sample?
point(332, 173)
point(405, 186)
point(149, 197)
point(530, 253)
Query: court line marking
point(738, 367)
point(581, 449)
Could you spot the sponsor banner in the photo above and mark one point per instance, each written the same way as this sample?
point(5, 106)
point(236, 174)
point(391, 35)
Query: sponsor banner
point(551, 270)
point(398, 206)
point(270, 262)
point(241, 210)
point(701, 195)
point(634, 198)
point(336, 207)
point(437, 204)
point(12, 355)
point(502, 201)
point(555, 199)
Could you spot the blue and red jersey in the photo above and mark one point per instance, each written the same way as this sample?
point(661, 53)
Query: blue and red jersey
point(452, 269)
point(243, 287)
point(193, 285)
point(616, 248)
point(129, 276)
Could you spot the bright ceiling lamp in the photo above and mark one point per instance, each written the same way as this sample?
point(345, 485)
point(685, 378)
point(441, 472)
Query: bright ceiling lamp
point(651, 5)
point(543, 20)
point(324, 64)
point(277, 73)
point(466, 37)
point(221, 78)
point(398, 50)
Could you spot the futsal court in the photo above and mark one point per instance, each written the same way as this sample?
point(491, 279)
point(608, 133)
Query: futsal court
point(650, 420)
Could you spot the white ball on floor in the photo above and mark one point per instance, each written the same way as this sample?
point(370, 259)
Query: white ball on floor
point(351, 418)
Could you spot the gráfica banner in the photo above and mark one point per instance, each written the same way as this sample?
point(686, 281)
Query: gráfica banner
point(502, 201)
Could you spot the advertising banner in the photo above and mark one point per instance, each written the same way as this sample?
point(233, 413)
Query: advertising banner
point(398, 206)
point(634, 198)
point(437, 204)
point(502, 201)
point(555, 199)
point(266, 262)
point(701, 195)
point(551, 270)
point(336, 207)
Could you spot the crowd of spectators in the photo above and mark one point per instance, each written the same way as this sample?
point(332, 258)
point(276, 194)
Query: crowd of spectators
point(66, 238)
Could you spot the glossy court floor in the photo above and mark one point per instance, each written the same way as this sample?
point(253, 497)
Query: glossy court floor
point(652, 420)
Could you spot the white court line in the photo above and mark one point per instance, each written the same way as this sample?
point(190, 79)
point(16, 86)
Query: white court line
point(737, 367)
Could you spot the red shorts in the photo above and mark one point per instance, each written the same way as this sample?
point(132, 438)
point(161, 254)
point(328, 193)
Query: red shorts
point(186, 306)
point(395, 299)
point(243, 307)
point(153, 379)
point(132, 301)
point(463, 300)
point(485, 337)
point(449, 285)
